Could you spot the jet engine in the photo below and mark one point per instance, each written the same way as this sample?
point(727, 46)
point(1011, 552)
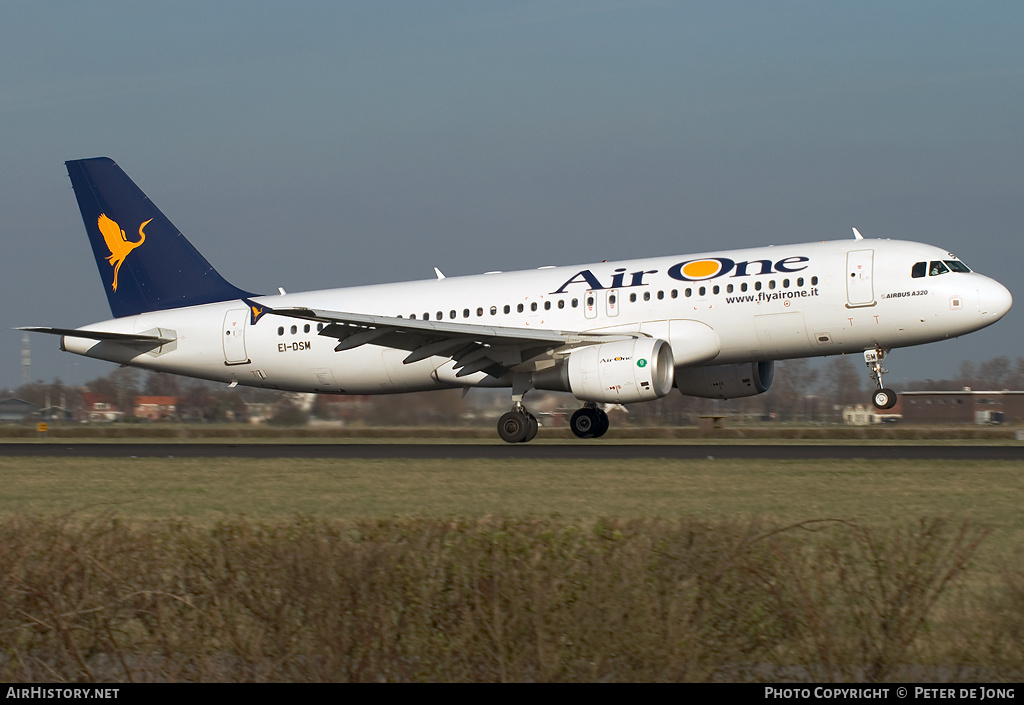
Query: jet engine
point(726, 381)
point(623, 372)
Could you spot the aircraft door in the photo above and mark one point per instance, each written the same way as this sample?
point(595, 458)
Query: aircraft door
point(859, 288)
point(612, 302)
point(590, 304)
point(234, 336)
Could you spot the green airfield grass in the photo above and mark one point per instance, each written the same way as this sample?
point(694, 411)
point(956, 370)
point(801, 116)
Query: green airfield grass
point(205, 491)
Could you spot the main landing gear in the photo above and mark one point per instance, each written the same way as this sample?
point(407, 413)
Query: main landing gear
point(883, 397)
point(589, 422)
point(518, 425)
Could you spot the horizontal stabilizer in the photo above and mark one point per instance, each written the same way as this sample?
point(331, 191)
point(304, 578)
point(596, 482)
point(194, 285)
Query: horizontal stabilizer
point(127, 338)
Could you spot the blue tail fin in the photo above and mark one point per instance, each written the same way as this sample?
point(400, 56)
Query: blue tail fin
point(145, 263)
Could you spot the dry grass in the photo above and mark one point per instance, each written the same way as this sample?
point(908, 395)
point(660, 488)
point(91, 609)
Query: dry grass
point(228, 570)
point(494, 599)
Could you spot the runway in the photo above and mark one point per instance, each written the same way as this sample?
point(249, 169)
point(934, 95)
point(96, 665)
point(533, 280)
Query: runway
point(570, 451)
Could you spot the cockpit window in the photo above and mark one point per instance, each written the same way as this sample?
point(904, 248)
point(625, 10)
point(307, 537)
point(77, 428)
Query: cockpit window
point(936, 268)
point(919, 270)
point(957, 266)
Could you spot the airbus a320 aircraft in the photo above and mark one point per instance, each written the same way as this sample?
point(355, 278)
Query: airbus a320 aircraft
point(709, 324)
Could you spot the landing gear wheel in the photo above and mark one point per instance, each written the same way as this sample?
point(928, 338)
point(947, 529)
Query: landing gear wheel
point(884, 398)
point(582, 423)
point(531, 427)
point(513, 427)
point(589, 422)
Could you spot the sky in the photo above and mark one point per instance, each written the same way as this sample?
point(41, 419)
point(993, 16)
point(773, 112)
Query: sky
point(311, 145)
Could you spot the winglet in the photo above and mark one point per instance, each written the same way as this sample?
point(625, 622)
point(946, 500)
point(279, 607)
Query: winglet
point(857, 235)
point(256, 311)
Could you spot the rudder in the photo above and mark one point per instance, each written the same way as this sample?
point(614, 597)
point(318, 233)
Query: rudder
point(146, 264)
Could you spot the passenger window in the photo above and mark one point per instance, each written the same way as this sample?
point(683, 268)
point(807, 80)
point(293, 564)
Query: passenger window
point(675, 293)
point(295, 329)
point(280, 331)
point(440, 315)
point(936, 268)
point(519, 308)
point(547, 305)
point(451, 314)
point(814, 281)
point(533, 306)
point(507, 308)
point(494, 310)
point(661, 295)
point(689, 293)
point(575, 303)
point(919, 270)
point(743, 286)
point(561, 303)
point(800, 281)
point(647, 296)
point(715, 289)
point(305, 328)
point(632, 298)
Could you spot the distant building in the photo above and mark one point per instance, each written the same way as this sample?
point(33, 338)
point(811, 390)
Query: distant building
point(156, 408)
point(866, 414)
point(962, 407)
point(16, 410)
point(97, 408)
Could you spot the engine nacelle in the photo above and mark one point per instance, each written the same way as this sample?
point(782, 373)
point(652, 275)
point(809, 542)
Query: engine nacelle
point(726, 381)
point(627, 371)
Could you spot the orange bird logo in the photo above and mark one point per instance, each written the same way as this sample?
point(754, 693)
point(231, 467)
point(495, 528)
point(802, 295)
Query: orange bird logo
point(117, 242)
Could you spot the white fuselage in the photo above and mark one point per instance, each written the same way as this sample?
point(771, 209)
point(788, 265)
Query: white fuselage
point(766, 303)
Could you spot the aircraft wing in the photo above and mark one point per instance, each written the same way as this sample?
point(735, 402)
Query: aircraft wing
point(474, 347)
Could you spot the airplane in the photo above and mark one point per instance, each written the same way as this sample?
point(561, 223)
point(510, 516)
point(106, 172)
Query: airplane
point(710, 324)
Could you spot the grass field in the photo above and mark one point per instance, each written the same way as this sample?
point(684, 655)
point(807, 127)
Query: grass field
point(205, 491)
point(229, 569)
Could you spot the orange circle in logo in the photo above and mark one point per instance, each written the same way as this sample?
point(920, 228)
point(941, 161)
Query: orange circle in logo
point(702, 269)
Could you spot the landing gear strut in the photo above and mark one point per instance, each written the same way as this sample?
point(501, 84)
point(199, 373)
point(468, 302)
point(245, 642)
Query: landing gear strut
point(518, 425)
point(589, 422)
point(883, 397)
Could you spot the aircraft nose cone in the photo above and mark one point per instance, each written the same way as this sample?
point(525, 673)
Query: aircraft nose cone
point(994, 300)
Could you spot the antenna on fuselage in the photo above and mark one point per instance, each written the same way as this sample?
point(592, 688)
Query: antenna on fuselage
point(857, 235)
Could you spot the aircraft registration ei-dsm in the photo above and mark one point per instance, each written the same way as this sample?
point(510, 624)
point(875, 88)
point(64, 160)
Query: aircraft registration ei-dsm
point(709, 324)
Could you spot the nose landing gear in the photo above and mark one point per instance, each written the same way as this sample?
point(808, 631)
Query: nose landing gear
point(883, 397)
